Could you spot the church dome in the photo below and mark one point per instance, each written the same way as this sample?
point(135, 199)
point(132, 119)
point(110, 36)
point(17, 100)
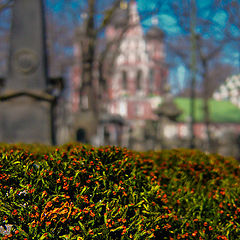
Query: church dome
point(155, 33)
point(120, 18)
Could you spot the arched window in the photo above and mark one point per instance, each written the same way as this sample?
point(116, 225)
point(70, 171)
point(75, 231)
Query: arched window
point(139, 110)
point(124, 80)
point(81, 135)
point(139, 80)
point(151, 80)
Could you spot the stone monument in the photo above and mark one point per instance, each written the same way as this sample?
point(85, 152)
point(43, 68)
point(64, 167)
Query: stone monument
point(167, 113)
point(26, 102)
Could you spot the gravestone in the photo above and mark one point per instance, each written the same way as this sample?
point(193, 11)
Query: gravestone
point(26, 104)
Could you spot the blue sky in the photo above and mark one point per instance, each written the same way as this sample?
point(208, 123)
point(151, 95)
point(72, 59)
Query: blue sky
point(167, 21)
point(163, 17)
point(168, 24)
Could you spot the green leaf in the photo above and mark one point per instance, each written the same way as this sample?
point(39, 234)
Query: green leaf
point(83, 228)
point(43, 237)
point(146, 207)
point(16, 162)
point(115, 229)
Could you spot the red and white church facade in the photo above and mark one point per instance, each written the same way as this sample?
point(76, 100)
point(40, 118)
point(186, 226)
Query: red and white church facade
point(139, 73)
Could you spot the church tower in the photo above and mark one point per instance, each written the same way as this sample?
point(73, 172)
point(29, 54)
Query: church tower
point(139, 70)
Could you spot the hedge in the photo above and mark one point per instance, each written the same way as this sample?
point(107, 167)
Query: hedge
point(81, 192)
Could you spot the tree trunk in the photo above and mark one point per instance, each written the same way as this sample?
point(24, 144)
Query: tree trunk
point(193, 72)
point(88, 52)
point(206, 113)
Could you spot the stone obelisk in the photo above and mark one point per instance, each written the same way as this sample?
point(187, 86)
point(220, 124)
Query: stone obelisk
point(26, 107)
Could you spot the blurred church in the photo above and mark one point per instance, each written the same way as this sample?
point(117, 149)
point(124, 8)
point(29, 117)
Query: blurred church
point(134, 104)
point(134, 83)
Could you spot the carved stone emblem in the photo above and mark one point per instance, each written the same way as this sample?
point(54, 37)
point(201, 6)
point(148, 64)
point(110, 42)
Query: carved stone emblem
point(26, 61)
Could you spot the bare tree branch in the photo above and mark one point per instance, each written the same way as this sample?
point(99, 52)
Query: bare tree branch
point(4, 4)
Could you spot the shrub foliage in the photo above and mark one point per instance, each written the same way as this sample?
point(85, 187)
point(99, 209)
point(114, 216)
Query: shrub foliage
point(81, 192)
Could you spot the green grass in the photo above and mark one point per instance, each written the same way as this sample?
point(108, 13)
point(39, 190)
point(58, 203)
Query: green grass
point(220, 111)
